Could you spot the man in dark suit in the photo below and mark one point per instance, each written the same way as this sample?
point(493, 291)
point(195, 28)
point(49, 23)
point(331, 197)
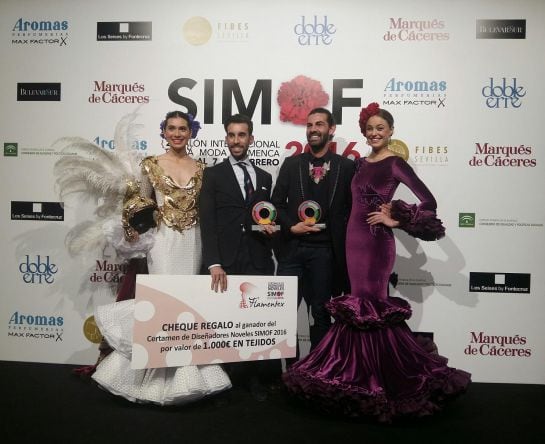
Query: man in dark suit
point(315, 255)
point(229, 191)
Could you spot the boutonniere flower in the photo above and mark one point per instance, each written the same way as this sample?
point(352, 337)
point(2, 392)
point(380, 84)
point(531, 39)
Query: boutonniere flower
point(317, 173)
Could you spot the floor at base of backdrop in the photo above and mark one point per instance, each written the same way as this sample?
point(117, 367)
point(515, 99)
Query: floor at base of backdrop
point(47, 403)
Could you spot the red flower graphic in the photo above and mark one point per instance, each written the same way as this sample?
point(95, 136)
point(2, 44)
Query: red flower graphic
point(298, 97)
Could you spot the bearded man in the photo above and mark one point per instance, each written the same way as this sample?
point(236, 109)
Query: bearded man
point(312, 248)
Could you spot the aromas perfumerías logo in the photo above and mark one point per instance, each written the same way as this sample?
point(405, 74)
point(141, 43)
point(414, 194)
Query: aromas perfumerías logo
point(314, 31)
point(35, 326)
point(40, 32)
point(40, 270)
point(499, 346)
point(503, 93)
point(109, 144)
point(415, 93)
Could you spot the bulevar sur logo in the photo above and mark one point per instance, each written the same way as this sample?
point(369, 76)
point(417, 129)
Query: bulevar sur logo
point(501, 29)
point(503, 93)
point(314, 31)
point(38, 271)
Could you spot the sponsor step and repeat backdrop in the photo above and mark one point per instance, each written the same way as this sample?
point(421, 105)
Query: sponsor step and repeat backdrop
point(464, 81)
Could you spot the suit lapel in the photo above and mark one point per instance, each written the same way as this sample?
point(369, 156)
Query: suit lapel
point(304, 160)
point(259, 180)
point(335, 171)
point(232, 183)
point(261, 192)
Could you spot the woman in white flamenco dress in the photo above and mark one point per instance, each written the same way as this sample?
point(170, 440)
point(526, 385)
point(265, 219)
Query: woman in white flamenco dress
point(174, 180)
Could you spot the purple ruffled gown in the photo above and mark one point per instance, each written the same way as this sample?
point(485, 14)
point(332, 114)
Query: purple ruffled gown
point(369, 363)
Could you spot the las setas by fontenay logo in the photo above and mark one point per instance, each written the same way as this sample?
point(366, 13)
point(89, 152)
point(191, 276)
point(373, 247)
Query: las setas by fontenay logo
point(124, 31)
point(499, 282)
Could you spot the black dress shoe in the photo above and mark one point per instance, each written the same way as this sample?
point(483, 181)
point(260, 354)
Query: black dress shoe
point(258, 390)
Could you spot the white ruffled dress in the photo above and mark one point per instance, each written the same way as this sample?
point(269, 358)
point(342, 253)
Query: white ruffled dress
point(175, 251)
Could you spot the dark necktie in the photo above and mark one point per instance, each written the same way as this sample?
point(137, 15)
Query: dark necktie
point(248, 186)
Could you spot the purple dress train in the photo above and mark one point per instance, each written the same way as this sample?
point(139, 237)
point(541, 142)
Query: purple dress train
point(369, 363)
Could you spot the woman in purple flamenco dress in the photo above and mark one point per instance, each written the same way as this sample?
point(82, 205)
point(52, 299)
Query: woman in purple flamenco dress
point(369, 363)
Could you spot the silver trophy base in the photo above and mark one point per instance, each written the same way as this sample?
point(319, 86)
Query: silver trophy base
point(260, 227)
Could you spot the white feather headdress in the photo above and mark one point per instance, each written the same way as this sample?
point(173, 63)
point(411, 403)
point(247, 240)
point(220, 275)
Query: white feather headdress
point(96, 175)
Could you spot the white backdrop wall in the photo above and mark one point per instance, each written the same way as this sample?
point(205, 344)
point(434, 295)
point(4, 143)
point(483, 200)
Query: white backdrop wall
point(468, 116)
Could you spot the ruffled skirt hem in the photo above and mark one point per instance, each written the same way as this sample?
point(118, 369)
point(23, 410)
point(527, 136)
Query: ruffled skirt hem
point(161, 386)
point(365, 314)
point(354, 401)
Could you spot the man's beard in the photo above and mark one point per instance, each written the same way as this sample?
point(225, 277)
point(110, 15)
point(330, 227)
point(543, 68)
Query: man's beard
point(321, 145)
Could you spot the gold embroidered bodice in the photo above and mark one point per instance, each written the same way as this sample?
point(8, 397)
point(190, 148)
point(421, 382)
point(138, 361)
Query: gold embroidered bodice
point(177, 204)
